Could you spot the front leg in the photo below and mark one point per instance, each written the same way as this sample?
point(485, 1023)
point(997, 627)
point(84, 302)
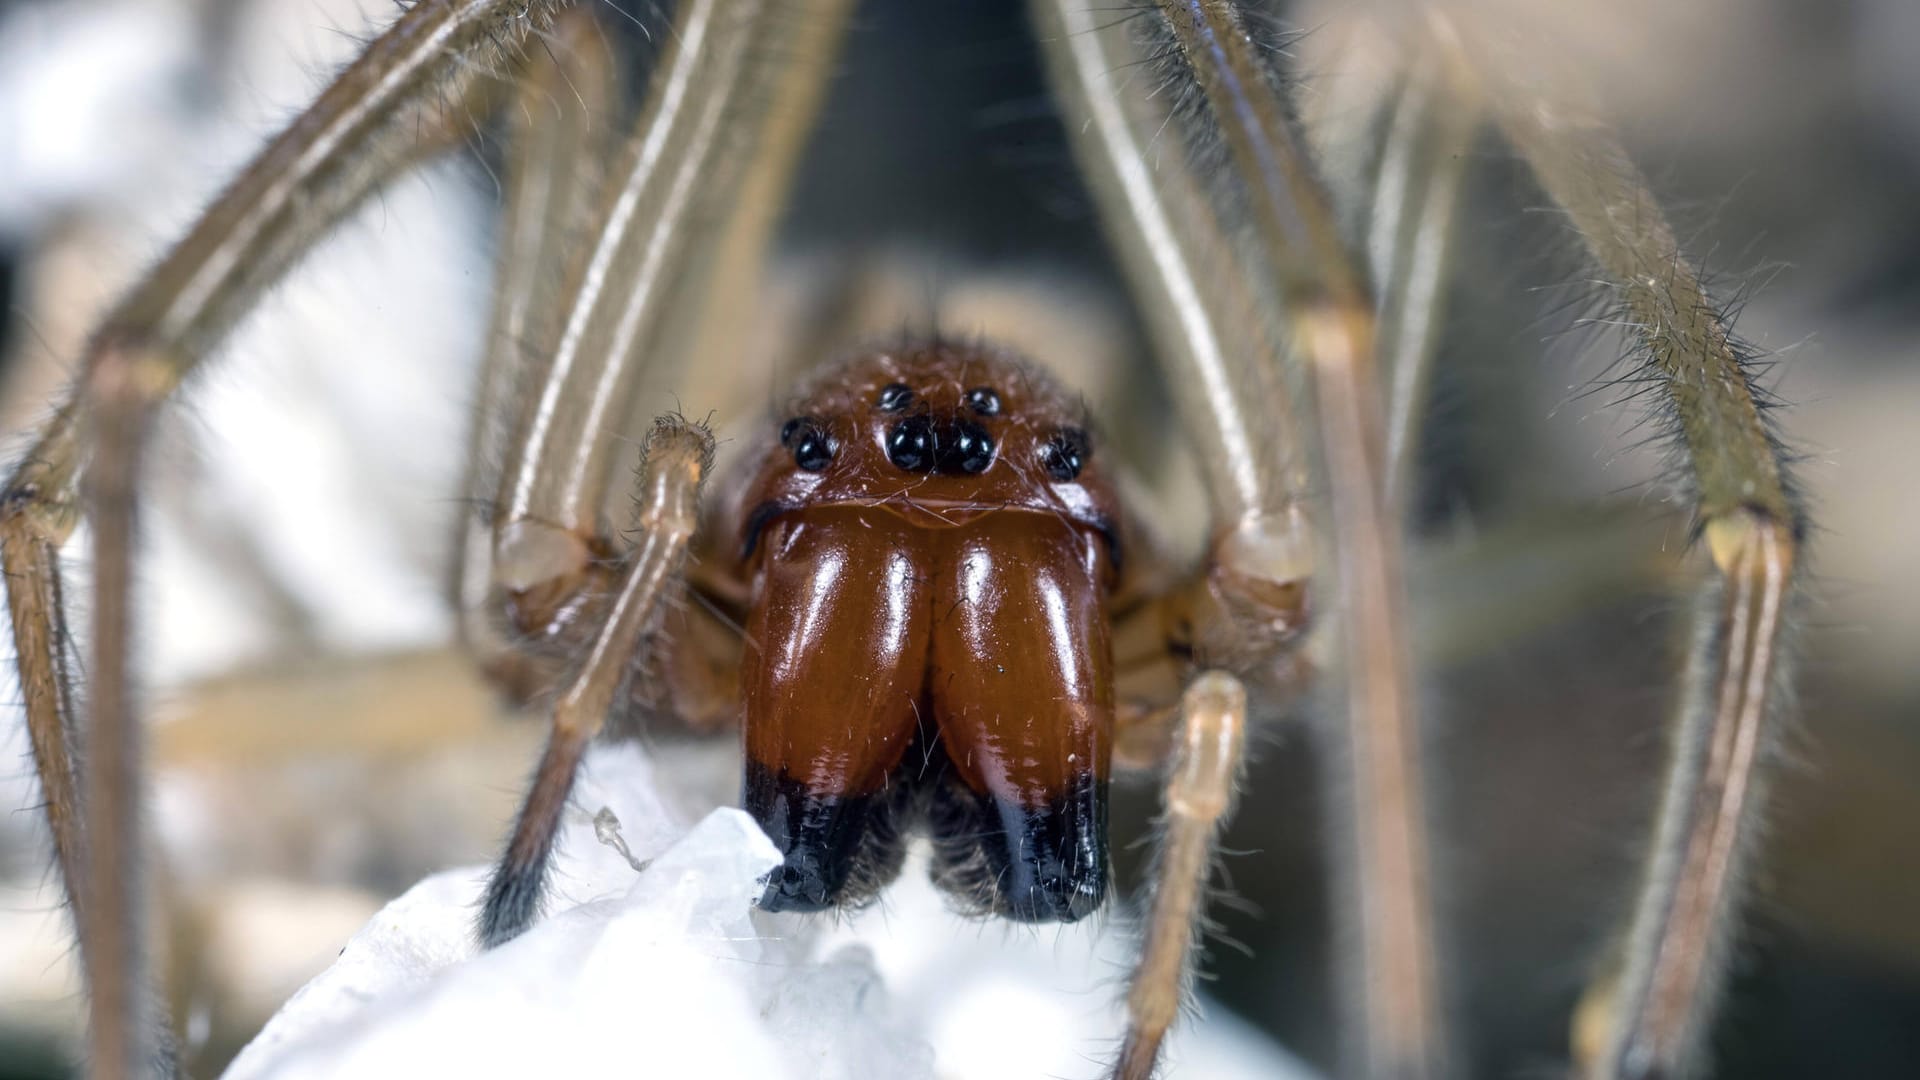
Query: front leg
point(1204, 767)
point(677, 458)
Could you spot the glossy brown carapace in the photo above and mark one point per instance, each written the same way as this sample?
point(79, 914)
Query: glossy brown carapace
point(931, 544)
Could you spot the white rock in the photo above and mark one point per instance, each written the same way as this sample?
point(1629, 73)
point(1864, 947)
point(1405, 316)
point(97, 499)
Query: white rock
point(670, 971)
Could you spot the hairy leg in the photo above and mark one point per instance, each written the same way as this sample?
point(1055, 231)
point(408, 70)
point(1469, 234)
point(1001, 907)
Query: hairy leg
point(1410, 233)
point(1319, 296)
point(677, 458)
point(723, 119)
point(1204, 766)
point(563, 118)
point(416, 89)
point(1662, 1000)
point(1219, 341)
point(726, 114)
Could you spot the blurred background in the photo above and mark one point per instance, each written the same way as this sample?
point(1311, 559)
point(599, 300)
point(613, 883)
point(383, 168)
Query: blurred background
point(322, 746)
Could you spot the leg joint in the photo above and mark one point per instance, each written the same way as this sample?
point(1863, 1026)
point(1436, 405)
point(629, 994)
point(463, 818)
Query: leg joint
point(126, 378)
point(1214, 730)
point(1750, 542)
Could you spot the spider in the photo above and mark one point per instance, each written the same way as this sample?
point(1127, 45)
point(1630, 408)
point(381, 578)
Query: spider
point(929, 459)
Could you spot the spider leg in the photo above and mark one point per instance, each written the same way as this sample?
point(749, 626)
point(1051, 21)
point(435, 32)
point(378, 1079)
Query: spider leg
point(1204, 316)
point(1658, 1006)
point(417, 89)
point(724, 120)
point(1221, 345)
point(1410, 230)
point(561, 119)
point(1321, 299)
point(677, 457)
point(1199, 795)
point(1392, 123)
point(726, 115)
point(1394, 126)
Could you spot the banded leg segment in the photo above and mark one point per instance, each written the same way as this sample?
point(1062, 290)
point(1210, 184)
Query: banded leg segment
point(127, 1035)
point(1660, 1005)
point(713, 120)
point(416, 89)
point(1409, 235)
point(1677, 944)
point(1219, 336)
point(678, 456)
point(1211, 332)
point(726, 112)
point(562, 121)
point(1322, 300)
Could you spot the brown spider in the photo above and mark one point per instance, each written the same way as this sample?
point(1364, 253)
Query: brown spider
point(933, 471)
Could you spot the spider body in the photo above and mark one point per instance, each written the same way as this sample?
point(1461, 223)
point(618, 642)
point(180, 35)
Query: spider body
point(927, 552)
point(932, 549)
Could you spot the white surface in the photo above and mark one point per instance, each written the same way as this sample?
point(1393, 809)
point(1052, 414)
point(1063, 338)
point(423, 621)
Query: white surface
point(671, 972)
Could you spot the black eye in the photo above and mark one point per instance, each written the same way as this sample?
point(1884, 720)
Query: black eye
point(965, 448)
point(812, 446)
point(895, 397)
point(1064, 454)
point(910, 444)
point(982, 400)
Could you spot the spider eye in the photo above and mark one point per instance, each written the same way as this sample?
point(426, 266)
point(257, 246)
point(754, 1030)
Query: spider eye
point(983, 401)
point(895, 397)
point(910, 444)
point(811, 445)
point(1064, 454)
point(965, 448)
